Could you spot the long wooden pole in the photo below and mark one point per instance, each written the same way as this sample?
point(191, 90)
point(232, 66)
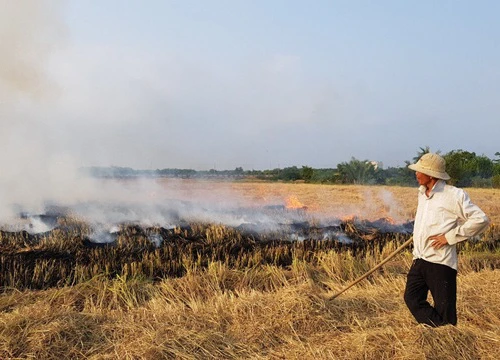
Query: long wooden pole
point(389, 257)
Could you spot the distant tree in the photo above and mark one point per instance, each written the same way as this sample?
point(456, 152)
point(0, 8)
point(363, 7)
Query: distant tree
point(290, 174)
point(497, 154)
point(423, 151)
point(307, 173)
point(238, 171)
point(495, 181)
point(401, 176)
point(460, 165)
point(325, 176)
point(482, 167)
point(184, 173)
point(273, 174)
point(356, 172)
point(496, 168)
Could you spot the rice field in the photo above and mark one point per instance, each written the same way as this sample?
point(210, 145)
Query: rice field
point(211, 291)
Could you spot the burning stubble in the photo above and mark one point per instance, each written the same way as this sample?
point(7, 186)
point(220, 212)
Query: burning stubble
point(38, 174)
point(39, 177)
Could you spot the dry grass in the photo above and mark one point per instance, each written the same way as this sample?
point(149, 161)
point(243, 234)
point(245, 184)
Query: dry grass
point(262, 311)
point(369, 202)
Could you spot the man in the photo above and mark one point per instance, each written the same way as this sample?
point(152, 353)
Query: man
point(445, 216)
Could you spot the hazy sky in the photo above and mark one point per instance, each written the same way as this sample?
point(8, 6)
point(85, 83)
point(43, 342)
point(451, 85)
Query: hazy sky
point(258, 84)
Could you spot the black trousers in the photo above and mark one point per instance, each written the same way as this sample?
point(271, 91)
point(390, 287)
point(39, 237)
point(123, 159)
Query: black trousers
point(441, 281)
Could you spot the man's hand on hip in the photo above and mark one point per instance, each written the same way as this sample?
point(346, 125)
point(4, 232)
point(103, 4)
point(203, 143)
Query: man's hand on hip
point(438, 241)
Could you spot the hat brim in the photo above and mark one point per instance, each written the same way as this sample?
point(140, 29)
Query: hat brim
point(436, 174)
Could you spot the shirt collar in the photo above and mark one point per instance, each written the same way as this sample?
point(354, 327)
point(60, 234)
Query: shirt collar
point(438, 186)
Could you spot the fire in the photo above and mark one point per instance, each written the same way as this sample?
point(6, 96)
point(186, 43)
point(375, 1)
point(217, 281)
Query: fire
point(349, 218)
point(390, 220)
point(293, 203)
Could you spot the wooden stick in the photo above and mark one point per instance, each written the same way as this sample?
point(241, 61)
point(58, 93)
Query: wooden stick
point(389, 257)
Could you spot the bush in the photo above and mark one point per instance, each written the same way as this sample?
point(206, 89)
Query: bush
point(479, 182)
point(495, 181)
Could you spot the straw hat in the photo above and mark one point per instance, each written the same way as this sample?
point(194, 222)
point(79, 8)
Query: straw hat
point(432, 165)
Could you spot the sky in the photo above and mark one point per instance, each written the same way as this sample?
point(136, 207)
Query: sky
point(261, 84)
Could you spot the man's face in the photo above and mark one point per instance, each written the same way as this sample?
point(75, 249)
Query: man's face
point(423, 179)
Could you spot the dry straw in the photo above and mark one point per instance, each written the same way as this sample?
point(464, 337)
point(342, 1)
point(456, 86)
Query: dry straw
point(364, 276)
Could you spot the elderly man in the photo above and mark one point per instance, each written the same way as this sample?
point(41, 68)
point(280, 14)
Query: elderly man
point(445, 216)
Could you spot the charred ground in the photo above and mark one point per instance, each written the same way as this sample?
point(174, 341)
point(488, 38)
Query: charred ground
point(73, 251)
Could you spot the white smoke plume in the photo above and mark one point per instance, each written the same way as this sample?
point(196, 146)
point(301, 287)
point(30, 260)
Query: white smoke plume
point(38, 170)
point(30, 30)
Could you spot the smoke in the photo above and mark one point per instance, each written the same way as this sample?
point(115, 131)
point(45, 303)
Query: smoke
point(40, 173)
point(381, 203)
point(30, 31)
point(40, 168)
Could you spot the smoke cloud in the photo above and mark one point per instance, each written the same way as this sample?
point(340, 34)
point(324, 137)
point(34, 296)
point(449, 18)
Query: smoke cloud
point(51, 118)
point(30, 31)
point(41, 124)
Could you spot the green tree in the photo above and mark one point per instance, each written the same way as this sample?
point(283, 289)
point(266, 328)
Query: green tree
point(290, 174)
point(421, 152)
point(497, 161)
point(496, 169)
point(482, 167)
point(307, 173)
point(401, 176)
point(460, 165)
point(357, 172)
point(495, 181)
point(496, 165)
point(324, 176)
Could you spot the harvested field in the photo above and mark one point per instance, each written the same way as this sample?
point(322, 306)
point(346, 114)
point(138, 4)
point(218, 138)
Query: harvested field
point(209, 290)
point(368, 202)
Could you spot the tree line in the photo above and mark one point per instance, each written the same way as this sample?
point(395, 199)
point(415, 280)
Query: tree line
point(466, 169)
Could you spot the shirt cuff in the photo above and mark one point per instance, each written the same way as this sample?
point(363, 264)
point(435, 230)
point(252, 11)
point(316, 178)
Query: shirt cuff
point(451, 237)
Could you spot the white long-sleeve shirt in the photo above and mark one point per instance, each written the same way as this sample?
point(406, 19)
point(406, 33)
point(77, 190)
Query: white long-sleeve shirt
point(447, 210)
